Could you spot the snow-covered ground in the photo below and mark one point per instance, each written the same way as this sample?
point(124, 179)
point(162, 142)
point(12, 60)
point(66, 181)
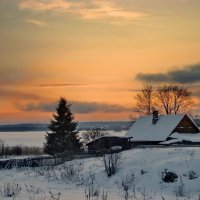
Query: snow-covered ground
point(141, 167)
point(29, 138)
point(34, 138)
point(177, 137)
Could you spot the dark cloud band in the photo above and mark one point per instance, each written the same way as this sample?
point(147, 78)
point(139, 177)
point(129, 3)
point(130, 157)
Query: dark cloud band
point(187, 74)
point(62, 85)
point(77, 107)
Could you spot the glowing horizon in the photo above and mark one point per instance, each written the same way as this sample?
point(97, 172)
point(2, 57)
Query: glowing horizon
point(95, 53)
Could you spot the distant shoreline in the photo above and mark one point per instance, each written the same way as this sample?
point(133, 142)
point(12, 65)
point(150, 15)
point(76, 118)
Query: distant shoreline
point(107, 125)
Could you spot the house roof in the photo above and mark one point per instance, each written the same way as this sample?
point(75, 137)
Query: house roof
point(144, 130)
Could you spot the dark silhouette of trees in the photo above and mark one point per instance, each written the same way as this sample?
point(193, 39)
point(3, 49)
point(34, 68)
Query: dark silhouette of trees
point(168, 99)
point(145, 100)
point(93, 134)
point(112, 163)
point(62, 135)
point(174, 99)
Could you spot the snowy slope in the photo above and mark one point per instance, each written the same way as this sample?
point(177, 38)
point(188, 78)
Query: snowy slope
point(147, 166)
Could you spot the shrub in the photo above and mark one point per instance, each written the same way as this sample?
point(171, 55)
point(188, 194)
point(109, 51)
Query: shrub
point(128, 187)
point(143, 172)
point(192, 175)
point(93, 134)
point(71, 172)
point(10, 190)
point(94, 195)
point(20, 150)
point(169, 177)
point(180, 190)
point(112, 163)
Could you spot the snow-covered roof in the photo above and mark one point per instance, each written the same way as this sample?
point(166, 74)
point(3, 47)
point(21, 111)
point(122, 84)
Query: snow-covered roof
point(186, 136)
point(177, 137)
point(107, 137)
point(144, 130)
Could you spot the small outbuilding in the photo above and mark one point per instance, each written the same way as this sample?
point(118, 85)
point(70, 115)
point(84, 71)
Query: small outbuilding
point(109, 143)
point(155, 128)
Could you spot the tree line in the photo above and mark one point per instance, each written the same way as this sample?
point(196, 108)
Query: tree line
point(167, 99)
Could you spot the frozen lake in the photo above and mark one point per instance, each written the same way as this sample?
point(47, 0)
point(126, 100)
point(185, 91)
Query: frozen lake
point(33, 138)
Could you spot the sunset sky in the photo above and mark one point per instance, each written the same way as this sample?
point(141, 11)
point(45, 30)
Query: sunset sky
point(95, 53)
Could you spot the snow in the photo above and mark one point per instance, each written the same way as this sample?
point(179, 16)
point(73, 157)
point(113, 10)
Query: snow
point(187, 136)
point(147, 166)
point(36, 138)
point(28, 138)
point(177, 137)
point(144, 130)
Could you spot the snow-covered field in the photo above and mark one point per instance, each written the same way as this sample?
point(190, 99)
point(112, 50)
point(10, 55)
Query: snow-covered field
point(34, 138)
point(141, 170)
point(30, 138)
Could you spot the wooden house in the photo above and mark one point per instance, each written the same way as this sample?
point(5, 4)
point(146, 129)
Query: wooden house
point(155, 129)
point(108, 143)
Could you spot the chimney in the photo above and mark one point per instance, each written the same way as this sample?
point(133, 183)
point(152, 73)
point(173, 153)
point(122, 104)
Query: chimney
point(155, 117)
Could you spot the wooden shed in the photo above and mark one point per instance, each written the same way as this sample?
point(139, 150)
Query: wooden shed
point(109, 142)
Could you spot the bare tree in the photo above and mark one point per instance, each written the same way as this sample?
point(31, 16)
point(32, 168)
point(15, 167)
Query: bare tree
point(112, 163)
point(174, 99)
point(127, 185)
point(145, 103)
point(93, 134)
point(1, 147)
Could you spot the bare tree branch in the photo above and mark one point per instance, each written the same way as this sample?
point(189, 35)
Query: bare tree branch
point(145, 100)
point(174, 99)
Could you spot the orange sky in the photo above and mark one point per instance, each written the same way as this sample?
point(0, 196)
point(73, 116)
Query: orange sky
point(91, 52)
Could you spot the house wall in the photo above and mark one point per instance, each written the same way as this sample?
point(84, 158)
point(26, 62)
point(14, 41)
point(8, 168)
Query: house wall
point(186, 126)
point(136, 143)
point(108, 142)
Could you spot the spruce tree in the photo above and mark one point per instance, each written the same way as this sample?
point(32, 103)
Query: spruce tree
point(62, 134)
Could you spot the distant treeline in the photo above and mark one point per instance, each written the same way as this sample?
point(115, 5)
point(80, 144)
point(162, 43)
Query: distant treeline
point(114, 125)
point(110, 126)
point(23, 127)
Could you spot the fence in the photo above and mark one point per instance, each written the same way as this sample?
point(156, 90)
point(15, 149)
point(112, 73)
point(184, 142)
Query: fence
point(31, 162)
point(67, 156)
point(164, 146)
point(45, 160)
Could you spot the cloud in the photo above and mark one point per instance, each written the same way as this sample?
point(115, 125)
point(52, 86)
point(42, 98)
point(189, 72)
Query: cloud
point(46, 107)
point(197, 93)
point(43, 5)
point(85, 9)
point(13, 74)
point(196, 109)
point(184, 75)
point(15, 94)
point(90, 107)
point(36, 22)
point(107, 9)
point(62, 85)
point(77, 107)
point(158, 77)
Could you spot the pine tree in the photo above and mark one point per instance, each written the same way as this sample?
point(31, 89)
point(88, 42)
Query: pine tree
point(63, 134)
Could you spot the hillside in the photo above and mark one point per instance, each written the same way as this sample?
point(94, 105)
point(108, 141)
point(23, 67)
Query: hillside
point(141, 169)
